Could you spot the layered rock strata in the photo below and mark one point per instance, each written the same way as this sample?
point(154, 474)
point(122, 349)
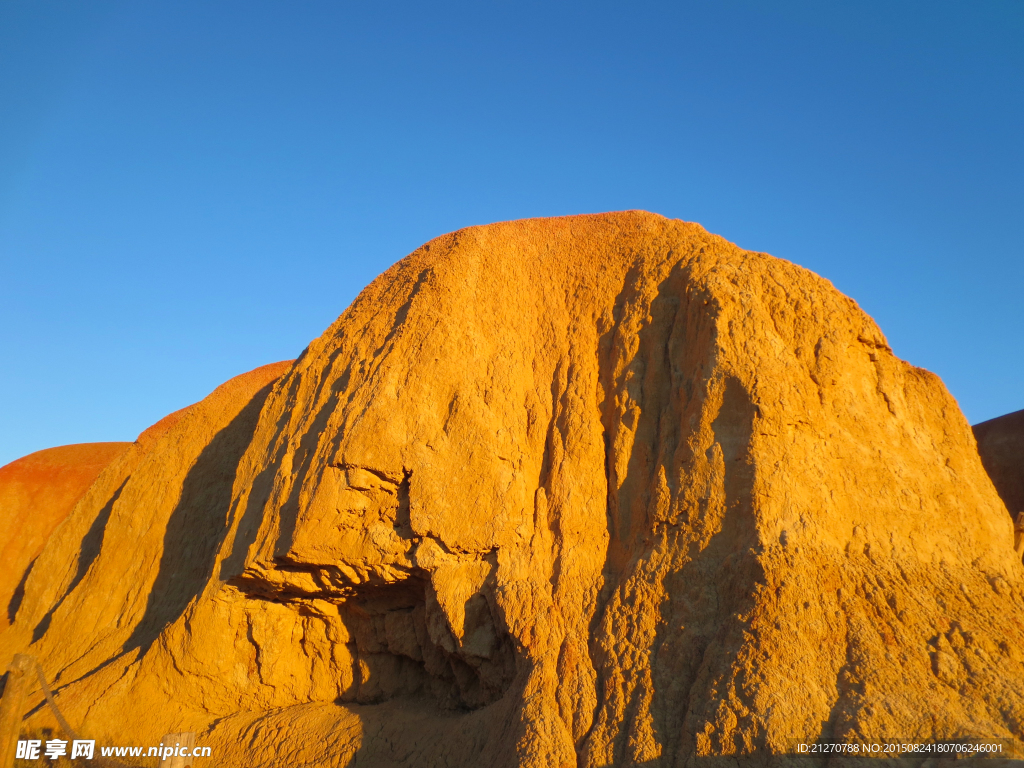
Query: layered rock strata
point(601, 490)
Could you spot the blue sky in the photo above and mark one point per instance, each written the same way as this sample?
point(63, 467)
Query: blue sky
point(192, 189)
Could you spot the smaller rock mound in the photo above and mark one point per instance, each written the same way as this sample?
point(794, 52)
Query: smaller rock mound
point(36, 493)
point(1001, 445)
point(39, 491)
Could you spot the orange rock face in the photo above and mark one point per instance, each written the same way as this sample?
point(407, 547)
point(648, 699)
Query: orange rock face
point(591, 491)
point(39, 491)
point(1001, 445)
point(36, 493)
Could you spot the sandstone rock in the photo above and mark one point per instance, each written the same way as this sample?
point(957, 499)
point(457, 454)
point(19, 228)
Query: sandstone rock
point(36, 493)
point(80, 486)
point(599, 490)
point(1001, 445)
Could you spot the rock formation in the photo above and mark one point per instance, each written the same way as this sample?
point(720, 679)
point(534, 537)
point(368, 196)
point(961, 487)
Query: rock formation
point(36, 493)
point(39, 491)
point(1001, 445)
point(598, 490)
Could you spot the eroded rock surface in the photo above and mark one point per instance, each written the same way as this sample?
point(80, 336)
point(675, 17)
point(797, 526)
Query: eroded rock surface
point(599, 490)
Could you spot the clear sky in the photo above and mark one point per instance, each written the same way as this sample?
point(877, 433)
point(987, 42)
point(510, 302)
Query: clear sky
point(192, 189)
